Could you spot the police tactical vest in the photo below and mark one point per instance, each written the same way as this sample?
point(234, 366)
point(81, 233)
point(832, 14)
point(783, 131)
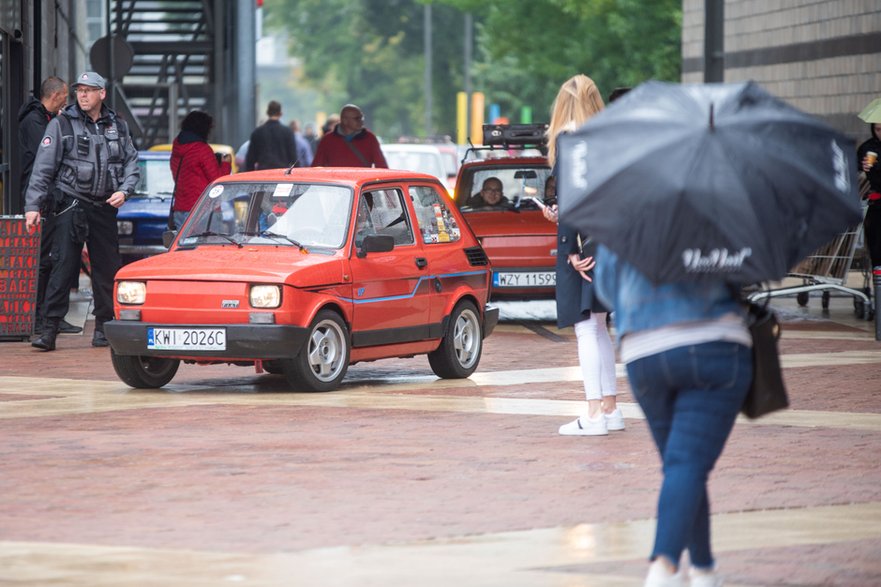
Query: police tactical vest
point(93, 165)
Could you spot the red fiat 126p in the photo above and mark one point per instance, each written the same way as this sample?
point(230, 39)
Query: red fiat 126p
point(304, 272)
point(520, 243)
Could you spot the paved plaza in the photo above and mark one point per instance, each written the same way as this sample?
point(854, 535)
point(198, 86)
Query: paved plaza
point(402, 480)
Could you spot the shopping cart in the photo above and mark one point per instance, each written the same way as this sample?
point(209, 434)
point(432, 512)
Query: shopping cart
point(826, 270)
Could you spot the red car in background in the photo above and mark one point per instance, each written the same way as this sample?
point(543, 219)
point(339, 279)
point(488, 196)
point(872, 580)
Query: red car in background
point(303, 272)
point(520, 243)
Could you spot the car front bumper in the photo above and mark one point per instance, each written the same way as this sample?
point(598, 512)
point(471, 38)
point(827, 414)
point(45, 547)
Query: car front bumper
point(243, 341)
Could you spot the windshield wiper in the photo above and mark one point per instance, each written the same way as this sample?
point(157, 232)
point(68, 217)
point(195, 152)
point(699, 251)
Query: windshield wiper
point(224, 236)
point(274, 236)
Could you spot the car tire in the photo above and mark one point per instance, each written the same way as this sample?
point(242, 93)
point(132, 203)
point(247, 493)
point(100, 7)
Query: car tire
point(324, 359)
point(459, 352)
point(274, 367)
point(144, 372)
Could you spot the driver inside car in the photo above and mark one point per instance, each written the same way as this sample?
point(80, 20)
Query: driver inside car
point(491, 194)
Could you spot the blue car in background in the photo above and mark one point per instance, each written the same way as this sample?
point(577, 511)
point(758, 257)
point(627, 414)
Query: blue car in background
point(144, 217)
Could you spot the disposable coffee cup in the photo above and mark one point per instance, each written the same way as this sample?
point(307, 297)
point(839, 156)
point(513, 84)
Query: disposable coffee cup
point(871, 157)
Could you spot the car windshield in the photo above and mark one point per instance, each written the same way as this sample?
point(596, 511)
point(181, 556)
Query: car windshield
point(269, 213)
point(156, 177)
point(519, 185)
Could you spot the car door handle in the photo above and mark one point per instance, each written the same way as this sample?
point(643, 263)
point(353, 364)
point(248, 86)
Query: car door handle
point(421, 262)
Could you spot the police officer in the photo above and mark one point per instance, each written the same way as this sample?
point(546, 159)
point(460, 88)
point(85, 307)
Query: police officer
point(87, 164)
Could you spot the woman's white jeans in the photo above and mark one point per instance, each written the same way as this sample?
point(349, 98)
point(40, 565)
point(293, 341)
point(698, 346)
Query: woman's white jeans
point(596, 356)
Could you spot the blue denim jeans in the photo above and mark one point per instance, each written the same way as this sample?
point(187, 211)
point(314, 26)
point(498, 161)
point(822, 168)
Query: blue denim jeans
point(690, 396)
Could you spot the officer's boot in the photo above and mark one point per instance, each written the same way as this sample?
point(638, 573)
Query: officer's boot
point(46, 341)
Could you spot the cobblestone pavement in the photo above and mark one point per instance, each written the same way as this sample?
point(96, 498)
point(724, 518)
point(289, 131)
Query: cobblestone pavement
point(399, 479)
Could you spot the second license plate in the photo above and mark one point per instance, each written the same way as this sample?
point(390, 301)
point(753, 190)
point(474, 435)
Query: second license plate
point(524, 279)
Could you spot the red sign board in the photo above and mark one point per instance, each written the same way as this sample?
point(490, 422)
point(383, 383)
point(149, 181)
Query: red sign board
point(19, 269)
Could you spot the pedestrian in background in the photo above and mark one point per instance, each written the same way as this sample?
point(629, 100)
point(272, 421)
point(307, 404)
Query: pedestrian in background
point(328, 127)
point(867, 160)
point(349, 144)
point(304, 151)
point(577, 305)
point(33, 118)
point(194, 164)
point(311, 137)
point(272, 143)
point(88, 165)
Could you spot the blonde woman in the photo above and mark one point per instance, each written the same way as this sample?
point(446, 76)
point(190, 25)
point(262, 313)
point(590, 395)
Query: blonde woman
point(577, 306)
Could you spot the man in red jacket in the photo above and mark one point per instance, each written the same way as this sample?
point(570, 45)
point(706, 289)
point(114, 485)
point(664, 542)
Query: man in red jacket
point(193, 163)
point(349, 144)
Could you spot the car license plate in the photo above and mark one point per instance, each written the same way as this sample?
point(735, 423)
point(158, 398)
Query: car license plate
point(186, 339)
point(524, 279)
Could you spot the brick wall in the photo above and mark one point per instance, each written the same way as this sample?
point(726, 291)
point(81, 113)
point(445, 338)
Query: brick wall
point(822, 56)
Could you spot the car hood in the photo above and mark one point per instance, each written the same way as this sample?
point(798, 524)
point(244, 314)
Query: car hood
point(253, 264)
point(145, 207)
point(509, 223)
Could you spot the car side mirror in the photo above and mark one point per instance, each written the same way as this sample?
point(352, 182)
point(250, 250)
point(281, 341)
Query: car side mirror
point(168, 237)
point(376, 243)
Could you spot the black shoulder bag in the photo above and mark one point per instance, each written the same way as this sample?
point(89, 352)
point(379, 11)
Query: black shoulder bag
point(767, 391)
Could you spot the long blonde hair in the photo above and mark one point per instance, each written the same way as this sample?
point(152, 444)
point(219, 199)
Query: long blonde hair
point(578, 100)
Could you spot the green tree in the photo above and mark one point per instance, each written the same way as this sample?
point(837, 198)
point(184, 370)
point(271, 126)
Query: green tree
point(371, 52)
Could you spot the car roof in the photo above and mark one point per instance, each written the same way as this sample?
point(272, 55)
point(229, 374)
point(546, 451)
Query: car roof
point(506, 161)
point(154, 155)
point(412, 147)
point(352, 176)
point(216, 147)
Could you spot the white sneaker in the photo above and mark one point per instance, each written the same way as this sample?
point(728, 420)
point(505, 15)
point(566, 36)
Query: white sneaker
point(614, 419)
point(704, 578)
point(585, 427)
point(661, 577)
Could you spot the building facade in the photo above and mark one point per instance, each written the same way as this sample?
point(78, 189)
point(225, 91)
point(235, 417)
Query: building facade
point(821, 56)
point(162, 58)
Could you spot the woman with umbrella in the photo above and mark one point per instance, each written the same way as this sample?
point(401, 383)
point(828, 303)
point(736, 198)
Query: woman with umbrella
point(692, 190)
point(576, 102)
point(867, 159)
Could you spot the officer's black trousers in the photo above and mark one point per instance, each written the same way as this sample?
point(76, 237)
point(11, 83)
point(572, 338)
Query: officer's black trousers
point(78, 222)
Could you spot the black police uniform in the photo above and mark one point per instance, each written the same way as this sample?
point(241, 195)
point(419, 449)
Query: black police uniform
point(80, 163)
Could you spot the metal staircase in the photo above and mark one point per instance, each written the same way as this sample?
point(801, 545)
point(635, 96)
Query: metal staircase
point(173, 70)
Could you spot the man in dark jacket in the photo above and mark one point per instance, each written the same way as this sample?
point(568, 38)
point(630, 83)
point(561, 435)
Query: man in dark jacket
point(87, 164)
point(349, 144)
point(272, 143)
point(33, 118)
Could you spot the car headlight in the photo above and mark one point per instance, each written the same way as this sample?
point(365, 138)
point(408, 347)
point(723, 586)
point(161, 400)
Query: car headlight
point(131, 292)
point(124, 227)
point(265, 296)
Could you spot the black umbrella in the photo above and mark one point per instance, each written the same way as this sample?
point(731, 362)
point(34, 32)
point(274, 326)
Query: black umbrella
point(700, 181)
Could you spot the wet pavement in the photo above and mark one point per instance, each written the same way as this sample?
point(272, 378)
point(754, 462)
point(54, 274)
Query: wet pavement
point(399, 479)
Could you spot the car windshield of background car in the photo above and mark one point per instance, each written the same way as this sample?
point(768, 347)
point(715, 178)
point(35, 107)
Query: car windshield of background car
point(518, 183)
point(314, 215)
point(156, 178)
point(422, 162)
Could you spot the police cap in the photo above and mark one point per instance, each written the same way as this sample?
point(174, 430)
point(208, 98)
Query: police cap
point(90, 78)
